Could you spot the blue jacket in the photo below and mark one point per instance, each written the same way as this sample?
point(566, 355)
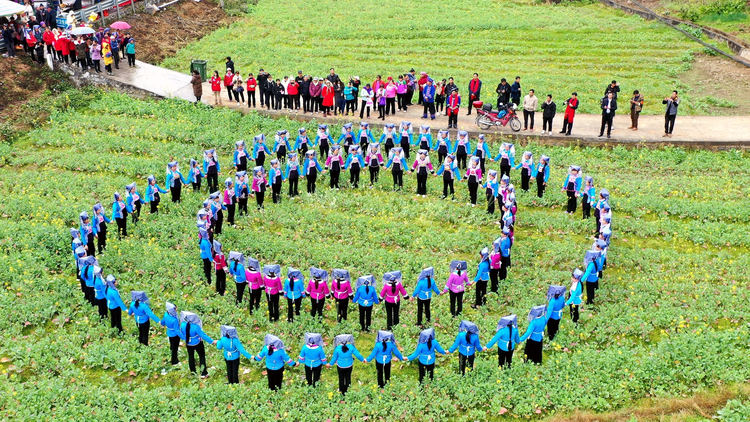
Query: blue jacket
point(536, 168)
point(206, 250)
point(448, 145)
point(196, 334)
point(345, 359)
point(505, 245)
point(276, 360)
point(236, 157)
point(150, 190)
point(232, 348)
point(240, 187)
point(492, 184)
point(466, 348)
point(306, 165)
point(536, 329)
point(483, 271)
point(592, 271)
point(555, 307)
point(206, 166)
point(576, 184)
point(354, 158)
point(485, 150)
point(285, 143)
point(422, 291)
point(142, 313)
point(294, 291)
point(591, 192)
point(402, 161)
point(172, 176)
point(511, 157)
point(258, 148)
point(318, 138)
point(117, 212)
point(428, 93)
point(129, 202)
point(172, 324)
point(505, 339)
point(467, 145)
point(95, 222)
point(238, 272)
point(113, 299)
point(384, 356)
point(395, 138)
point(454, 169)
point(427, 136)
point(575, 295)
point(99, 287)
point(274, 173)
point(367, 133)
point(426, 354)
point(312, 357)
point(364, 298)
point(87, 274)
point(299, 141)
point(342, 139)
point(288, 169)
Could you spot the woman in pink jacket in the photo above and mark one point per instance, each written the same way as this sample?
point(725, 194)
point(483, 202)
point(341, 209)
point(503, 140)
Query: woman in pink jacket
point(272, 283)
point(341, 287)
point(390, 97)
point(255, 281)
point(317, 289)
point(456, 285)
point(392, 293)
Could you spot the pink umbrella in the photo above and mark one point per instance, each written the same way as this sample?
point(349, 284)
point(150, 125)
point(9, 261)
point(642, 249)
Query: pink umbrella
point(120, 25)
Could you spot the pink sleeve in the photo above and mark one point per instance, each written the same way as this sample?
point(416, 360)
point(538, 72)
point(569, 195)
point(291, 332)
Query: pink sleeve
point(479, 176)
point(429, 166)
point(401, 289)
point(415, 164)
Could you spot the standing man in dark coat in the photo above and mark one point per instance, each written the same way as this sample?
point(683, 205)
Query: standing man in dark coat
point(262, 85)
point(515, 91)
point(609, 105)
point(503, 93)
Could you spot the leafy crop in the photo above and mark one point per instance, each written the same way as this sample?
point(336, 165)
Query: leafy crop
point(670, 319)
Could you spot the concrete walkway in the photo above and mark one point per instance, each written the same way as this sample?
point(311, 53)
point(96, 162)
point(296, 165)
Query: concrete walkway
point(716, 132)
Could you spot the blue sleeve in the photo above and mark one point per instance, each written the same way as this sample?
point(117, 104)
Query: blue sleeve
point(438, 347)
point(150, 313)
point(417, 289)
point(455, 344)
point(356, 353)
point(494, 340)
point(205, 249)
point(499, 154)
point(289, 361)
point(397, 353)
point(479, 273)
point(317, 165)
point(589, 270)
point(204, 336)
point(390, 161)
point(372, 355)
point(119, 301)
point(546, 173)
point(262, 354)
point(476, 343)
point(160, 189)
point(375, 299)
point(512, 159)
point(435, 289)
point(528, 332)
point(348, 161)
point(334, 357)
point(341, 138)
point(131, 309)
point(415, 354)
point(382, 138)
point(181, 331)
point(516, 339)
point(439, 170)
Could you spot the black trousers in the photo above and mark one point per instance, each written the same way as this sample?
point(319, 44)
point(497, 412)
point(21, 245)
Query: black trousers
point(122, 227)
point(334, 180)
point(461, 158)
point(585, 206)
point(240, 292)
point(448, 186)
point(131, 59)
point(197, 183)
point(465, 362)
point(200, 348)
point(242, 205)
point(481, 293)
point(540, 184)
point(233, 371)
point(251, 99)
point(101, 238)
point(292, 308)
point(429, 107)
point(374, 171)
point(591, 291)
point(494, 273)
point(574, 313)
point(275, 378)
point(547, 124)
point(316, 307)
point(567, 126)
point(552, 326)
point(534, 351)
point(115, 318)
point(154, 205)
point(89, 295)
point(572, 201)
point(354, 176)
point(422, 182)
point(312, 177)
point(342, 309)
point(606, 121)
point(101, 304)
point(365, 317)
point(401, 100)
point(390, 105)
point(423, 306)
point(504, 265)
point(504, 358)
point(230, 212)
point(473, 186)
point(362, 110)
point(426, 370)
point(306, 106)
point(669, 123)
point(398, 178)
point(525, 177)
point(259, 198)
point(452, 120)
point(176, 191)
point(490, 201)
point(255, 295)
point(384, 373)
point(174, 345)
point(276, 192)
point(219, 221)
point(207, 269)
point(293, 184)
point(457, 303)
point(143, 332)
point(528, 115)
point(504, 167)
point(345, 378)
point(262, 95)
point(391, 314)
point(312, 375)
point(273, 307)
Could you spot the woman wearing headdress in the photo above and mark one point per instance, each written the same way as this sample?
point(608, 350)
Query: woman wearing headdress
point(142, 314)
point(272, 285)
point(482, 277)
point(599, 206)
point(481, 151)
point(323, 139)
point(503, 245)
point(152, 194)
point(120, 215)
point(341, 289)
point(374, 160)
point(260, 149)
point(303, 142)
point(195, 175)
point(576, 291)
point(114, 303)
point(212, 169)
point(313, 357)
point(237, 270)
point(461, 148)
point(506, 156)
point(366, 296)
point(232, 347)
point(100, 298)
point(346, 139)
point(535, 333)
point(426, 286)
point(383, 352)
point(75, 243)
point(191, 332)
point(422, 164)
point(174, 181)
point(388, 138)
point(292, 173)
point(281, 144)
point(206, 253)
point(391, 294)
point(354, 163)
point(239, 158)
point(99, 227)
point(220, 265)
point(365, 135)
point(294, 291)
point(317, 289)
point(527, 162)
point(275, 178)
point(133, 202)
point(592, 262)
point(217, 211)
point(406, 137)
point(241, 191)
point(474, 178)
point(456, 285)
point(397, 163)
point(229, 200)
point(334, 163)
point(310, 169)
point(443, 145)
point(276, 357)
point(259, 185)
point(572, 186)
point(450, 173)
point(89, 266)
point(491, 190)
point(555, 306)
point(427, 347)
point(467, 343)
point(423, 139)
point(343, 356)
point(541, 174)
point(255, 283)
point(171, 321)
point(506, 338)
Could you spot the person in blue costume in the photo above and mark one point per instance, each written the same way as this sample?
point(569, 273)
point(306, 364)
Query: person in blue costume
point(426, 286)
point(232, 347)
point(397, 163)
point(211, 168)
point(75, 243)
point(504, 245)
point(555, 307)
point(482, 151)
point(120, 215)
point(346, 139)
point(240, 156)
point(206, 252)
point(275, 178)
point(217, 209)
point(152, 194)
point(389, 137)
point(599, 207)
point(292, 172)
point(313, 357)
point(450, 172)
point(294, 291)
point(443, 145)
point(276, 357)
point(195, 175)
point(588, 196)
point(383, 352)
point(171, 321)
point(427, 347)
point(236, 267)
point(482, 277)
point(323, 140)
point(191, 332)
point(506, 338)
point(366, 296)
point(99, 297)
point(343, 356)
point(364, 134)
point(491, 190)
point(310, 169)
point(467, 343)
point(260, 150)
point(114, 302)
point(576, 291)
point(80, 255)
point(406, 136)
point(87, 275)
point(423, 140)
point(541, 174)
point(572, 187)
point(86, 228)
point(241, 191)
point(133, 202)
point(281, 145)
point(142, 314)
point(592, 264)
point(174, 181)
point(99, 225)
point(355, 162)
point(506, 156)
point(303, 142)
point(535, 333)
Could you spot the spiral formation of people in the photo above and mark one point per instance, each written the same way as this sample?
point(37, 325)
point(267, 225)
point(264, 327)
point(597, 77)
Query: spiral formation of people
point(311, 157)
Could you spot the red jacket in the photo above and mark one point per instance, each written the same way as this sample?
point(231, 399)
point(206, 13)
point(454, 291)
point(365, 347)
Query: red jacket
point(48, 37)
point(422, 81)
point(64, 46)
point(228, 80)
point(58, 44)
point(251, 84)
point(570, 110)
point(220, 262)
point(328, 96)
point(292, 89)
point(215, 83)
point(453, 103)
point(71, 46)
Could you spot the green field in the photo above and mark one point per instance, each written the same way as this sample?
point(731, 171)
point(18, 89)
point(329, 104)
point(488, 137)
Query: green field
point(671, 317)
point(556, 49)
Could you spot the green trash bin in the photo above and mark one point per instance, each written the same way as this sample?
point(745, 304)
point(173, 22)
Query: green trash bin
point(200, 66)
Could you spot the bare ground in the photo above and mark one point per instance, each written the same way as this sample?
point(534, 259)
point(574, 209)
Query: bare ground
point(722, 79)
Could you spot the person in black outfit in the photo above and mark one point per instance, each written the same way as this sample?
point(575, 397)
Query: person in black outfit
point(304, 88)
point(609, 105)
point(549, 108)
point(230, 64)
point(503, 92)
point(333, 77)
point(515, 91)
point(262, 83)
point(270, 93)
point(614, 88)
point(671, 113)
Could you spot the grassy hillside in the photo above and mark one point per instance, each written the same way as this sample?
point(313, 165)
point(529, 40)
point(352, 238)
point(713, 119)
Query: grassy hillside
point(670, 318)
